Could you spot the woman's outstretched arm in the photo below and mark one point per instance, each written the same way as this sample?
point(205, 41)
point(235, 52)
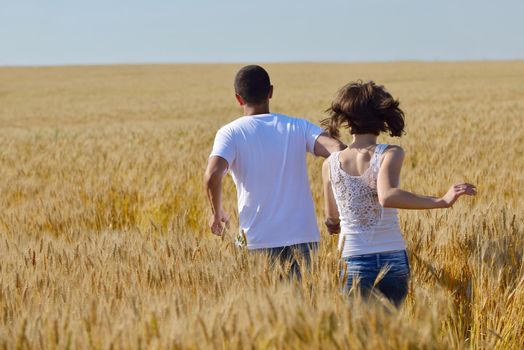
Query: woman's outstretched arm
point(330, 206)
point(391, 196)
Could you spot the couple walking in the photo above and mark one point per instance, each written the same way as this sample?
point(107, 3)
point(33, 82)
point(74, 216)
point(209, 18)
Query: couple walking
point(266, 155)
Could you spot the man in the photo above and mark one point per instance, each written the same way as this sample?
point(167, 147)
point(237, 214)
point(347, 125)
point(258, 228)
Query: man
point(266, 155)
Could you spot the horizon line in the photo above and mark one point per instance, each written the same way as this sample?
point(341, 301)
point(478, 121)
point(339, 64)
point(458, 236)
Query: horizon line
point(152, 63)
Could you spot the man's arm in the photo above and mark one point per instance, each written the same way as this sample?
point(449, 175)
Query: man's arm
point(325, 145)
point(215, 171)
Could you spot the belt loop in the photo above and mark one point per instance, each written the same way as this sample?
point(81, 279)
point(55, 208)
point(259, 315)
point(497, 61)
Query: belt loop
point(378, 260)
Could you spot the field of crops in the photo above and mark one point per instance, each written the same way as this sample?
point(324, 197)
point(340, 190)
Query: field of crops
point(103, 218)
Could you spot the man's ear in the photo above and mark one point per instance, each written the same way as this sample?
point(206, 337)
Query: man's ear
point(240, 100)
point(270, 92)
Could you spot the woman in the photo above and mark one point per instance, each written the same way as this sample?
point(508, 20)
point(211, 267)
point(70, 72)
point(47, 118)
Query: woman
point(362, 194)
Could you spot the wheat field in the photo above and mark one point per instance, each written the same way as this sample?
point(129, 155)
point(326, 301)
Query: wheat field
point(104, 241)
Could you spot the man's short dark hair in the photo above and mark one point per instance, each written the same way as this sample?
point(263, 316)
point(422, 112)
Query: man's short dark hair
point(252, 84)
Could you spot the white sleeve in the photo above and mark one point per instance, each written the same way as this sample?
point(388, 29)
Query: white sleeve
point(224, 146)
point(312, 132)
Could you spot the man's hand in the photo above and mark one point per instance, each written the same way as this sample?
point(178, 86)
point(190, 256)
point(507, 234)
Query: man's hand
point(455, 192)
point(219, 222)
point(325, 145)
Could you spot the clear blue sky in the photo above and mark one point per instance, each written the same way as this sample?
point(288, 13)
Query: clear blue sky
point(42, 32)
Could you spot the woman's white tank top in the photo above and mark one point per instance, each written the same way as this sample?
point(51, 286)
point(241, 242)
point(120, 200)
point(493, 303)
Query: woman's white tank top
point(366, 227)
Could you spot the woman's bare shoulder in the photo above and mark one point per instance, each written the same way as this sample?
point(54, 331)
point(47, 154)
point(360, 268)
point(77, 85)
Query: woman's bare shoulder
point(394, 149)
point(393, 152)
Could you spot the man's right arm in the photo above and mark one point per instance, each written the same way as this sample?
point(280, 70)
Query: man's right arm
point(325, 145)
point(215, 171)
point(222, 155)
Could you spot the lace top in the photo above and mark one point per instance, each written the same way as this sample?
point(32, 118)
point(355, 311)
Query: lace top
point(356, 196)
point(366, 227)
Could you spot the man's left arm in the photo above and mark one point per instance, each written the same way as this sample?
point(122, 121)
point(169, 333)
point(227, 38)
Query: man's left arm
point(319, 142)
point(325, 145)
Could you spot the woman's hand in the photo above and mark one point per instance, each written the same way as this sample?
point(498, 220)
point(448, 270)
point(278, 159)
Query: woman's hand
point(333, 226)
point(455, 192)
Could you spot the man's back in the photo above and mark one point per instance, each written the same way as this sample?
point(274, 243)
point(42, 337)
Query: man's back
point(266, 154)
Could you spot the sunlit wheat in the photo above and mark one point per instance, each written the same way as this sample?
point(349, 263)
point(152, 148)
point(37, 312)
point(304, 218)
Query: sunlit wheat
point(103, 219)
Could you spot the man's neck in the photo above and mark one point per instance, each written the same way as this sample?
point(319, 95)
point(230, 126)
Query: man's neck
point(256, 109)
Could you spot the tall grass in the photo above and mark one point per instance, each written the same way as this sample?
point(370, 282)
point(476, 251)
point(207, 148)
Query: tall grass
point(103, 219)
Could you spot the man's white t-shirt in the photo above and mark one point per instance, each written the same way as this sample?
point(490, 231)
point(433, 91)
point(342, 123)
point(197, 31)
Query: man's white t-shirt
point(266, 154)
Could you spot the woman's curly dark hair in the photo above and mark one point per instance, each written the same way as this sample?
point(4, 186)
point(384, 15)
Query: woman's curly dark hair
point(364, 108)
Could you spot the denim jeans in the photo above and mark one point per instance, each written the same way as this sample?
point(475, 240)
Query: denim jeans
point(364, 270)
point(292, 255)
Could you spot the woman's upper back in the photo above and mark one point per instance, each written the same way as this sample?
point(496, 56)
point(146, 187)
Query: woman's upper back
point(366, 227)
point(355, 186)
point(355, 161)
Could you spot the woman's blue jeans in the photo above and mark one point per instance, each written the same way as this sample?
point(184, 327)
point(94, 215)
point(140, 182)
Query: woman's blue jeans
point(364, 270)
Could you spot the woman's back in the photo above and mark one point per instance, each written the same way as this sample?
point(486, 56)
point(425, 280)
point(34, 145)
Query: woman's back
point(366, 227)
point(361, 188)
point(355, 161)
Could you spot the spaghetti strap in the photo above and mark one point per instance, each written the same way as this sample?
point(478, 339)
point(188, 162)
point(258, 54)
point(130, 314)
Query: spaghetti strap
point(375, 161)
point(333, 164)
